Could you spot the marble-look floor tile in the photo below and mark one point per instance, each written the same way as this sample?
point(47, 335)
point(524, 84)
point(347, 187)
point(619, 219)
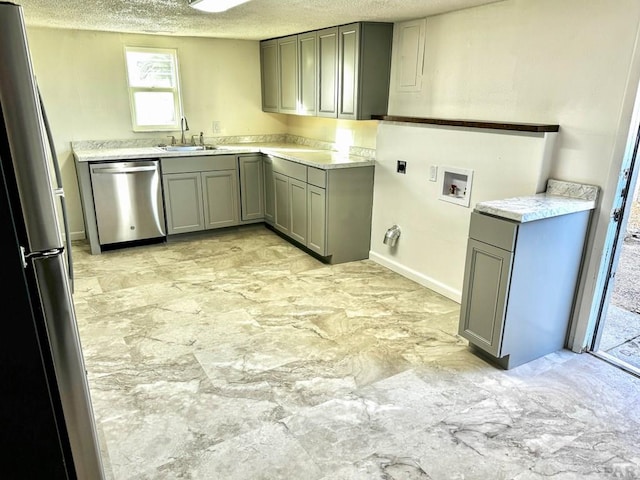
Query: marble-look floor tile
point(235, 355)
point(267, 453)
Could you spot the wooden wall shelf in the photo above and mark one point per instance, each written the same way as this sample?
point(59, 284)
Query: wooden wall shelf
point(518, 127)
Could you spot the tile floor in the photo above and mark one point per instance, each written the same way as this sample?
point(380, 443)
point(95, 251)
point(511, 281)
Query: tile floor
point(238, 356)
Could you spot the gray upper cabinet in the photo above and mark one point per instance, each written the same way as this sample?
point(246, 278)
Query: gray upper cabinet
point(364, 68)
point(328, 72)
point(308, 68)
point(340, 72)
point(269, 73)
point(288, 74)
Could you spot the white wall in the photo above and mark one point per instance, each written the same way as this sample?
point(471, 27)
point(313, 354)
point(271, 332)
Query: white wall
point(431, 248)
point(545, 61)
point(82, 78)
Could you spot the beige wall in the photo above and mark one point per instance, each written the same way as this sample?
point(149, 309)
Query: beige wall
point(343, 132)
point(568, 62)
point(82, 78)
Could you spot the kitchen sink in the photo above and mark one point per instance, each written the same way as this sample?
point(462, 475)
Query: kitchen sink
point(182, 148)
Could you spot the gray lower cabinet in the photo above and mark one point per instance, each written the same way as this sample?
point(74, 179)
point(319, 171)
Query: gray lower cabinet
point(519, 285)
point(298, 210)
point(326, 211)
point(269, 196)
point(251, 170)
point(281, 213)
point(183, 202)
point(220, 198)
point(316, 219)
point(200, 193)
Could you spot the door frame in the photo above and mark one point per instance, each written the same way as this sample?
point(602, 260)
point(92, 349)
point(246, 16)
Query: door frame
point(586, 331)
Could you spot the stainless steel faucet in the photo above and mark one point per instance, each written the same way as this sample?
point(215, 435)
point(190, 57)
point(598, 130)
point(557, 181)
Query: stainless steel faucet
point(184, 127)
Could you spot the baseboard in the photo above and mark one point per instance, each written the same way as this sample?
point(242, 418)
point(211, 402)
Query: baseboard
point(77, 236)
point(417, 277)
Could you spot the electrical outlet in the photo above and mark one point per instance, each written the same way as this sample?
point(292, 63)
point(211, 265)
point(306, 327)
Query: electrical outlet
point(401, 167)
point(216, 127)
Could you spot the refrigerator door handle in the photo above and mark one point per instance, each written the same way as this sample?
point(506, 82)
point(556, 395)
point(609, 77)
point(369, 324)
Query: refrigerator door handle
point(59, 192)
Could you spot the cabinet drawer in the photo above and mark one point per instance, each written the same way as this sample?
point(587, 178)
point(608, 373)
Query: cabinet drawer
point(317, 177)
point(290, 169)
point(198, 163)
point(493, 231)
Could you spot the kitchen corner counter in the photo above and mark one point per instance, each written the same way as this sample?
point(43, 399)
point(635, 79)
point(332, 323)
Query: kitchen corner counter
point(318, 158)
point(560, 198)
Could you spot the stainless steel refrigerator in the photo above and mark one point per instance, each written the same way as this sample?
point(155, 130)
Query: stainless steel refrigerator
point(47, 424)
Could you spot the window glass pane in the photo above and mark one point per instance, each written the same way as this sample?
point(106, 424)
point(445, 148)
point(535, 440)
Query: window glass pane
point(154, 108)
point(150, 69)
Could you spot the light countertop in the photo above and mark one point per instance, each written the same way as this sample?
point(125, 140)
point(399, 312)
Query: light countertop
point(318, 158)
point(560, 198)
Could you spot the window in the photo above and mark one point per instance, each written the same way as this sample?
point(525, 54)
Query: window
point(154, 89)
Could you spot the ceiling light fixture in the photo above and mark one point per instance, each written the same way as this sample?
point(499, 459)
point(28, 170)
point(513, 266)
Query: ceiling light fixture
point(215, 6)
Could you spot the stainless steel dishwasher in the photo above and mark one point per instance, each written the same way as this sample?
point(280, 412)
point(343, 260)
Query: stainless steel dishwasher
point(128, 200)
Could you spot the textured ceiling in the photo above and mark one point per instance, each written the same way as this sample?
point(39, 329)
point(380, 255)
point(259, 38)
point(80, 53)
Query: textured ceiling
point(256, 20)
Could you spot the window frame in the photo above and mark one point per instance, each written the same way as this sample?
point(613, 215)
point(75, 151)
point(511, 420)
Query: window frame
point(177, 97)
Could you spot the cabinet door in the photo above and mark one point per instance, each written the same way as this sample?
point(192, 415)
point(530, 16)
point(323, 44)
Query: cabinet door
point(298, 208)
point(308, 66)
point(288, 74)
point(220, 194)
point(348, 65)
point(251, 187)
point(269, 69)
point(484, 295)
point(183, 202)
point(316, 219)
point(328, 72)
point(281, 202)
point(269, 194)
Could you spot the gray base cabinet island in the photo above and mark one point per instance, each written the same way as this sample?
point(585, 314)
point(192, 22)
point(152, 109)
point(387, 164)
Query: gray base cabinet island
point(521, 274)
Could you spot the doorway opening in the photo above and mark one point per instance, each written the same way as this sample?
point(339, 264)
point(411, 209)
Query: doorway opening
point(616, 338)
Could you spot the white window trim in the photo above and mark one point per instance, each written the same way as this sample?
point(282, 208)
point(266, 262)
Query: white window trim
point(177, 97)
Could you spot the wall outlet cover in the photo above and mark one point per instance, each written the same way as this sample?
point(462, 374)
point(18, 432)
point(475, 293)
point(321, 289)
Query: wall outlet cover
point(433, 173)
point(401, 167)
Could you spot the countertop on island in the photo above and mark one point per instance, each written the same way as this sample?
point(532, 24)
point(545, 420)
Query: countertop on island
point(560, 198)
point(318, 158)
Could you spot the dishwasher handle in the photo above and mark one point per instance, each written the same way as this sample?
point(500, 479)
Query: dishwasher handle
point(115, 170)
